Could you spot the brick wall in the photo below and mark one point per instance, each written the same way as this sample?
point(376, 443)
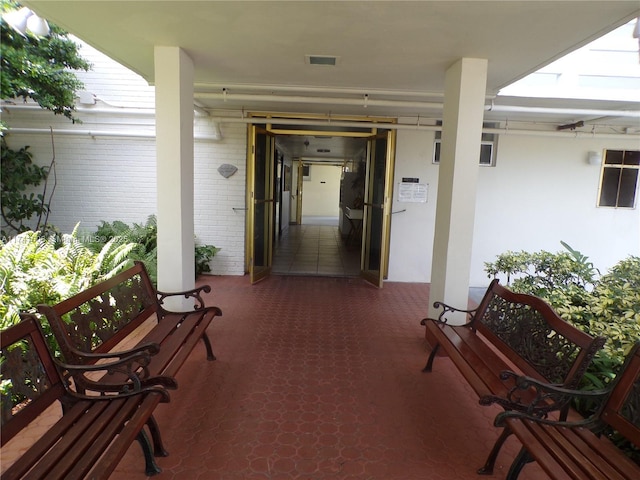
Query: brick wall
point(106, 178)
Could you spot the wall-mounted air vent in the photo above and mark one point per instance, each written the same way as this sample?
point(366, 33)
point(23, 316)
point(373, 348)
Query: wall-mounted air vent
point(322, 60)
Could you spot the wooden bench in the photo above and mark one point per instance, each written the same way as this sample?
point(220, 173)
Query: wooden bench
point(517, 332)
point(571, 450)
point(95, 430)
point(89, 325)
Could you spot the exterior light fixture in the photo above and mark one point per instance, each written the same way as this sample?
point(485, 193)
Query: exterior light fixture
point(25, 21)
point(594, 158)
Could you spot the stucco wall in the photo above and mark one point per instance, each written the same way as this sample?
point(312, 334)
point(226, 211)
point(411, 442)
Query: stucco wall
point(542, 191)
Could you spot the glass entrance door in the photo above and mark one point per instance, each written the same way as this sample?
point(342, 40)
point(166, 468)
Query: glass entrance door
point(377, 207)
point(261, 202)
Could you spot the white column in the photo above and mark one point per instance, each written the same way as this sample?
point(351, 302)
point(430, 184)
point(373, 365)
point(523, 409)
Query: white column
point(465, 85)
point(174, 152)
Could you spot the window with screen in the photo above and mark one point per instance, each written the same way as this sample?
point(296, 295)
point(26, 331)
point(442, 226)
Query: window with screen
point(487, 146)
point(619, 178)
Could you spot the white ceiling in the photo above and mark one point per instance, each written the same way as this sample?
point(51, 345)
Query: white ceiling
point(395, 52)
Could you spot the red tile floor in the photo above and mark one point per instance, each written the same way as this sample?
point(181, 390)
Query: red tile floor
point(320, 378)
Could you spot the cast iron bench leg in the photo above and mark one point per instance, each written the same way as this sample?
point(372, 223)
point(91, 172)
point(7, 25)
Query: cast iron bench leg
point(429, 365)
point(207, 344)
point(151, 467)
point(519, 462)
point(158, 447)
point(487, 469)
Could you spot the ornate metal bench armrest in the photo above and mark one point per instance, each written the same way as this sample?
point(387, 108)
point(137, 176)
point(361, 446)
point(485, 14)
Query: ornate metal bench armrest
point(545, 397)
point(449, 309)
point(200, 311)
point(143, 350)
point(194, 293)
point(134, 368)
point(75, 396)
point(591, 423)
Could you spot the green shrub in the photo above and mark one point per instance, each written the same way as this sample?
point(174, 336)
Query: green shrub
point(36, 268)
point(607, 305)
point(204, 254)
point(146, 238)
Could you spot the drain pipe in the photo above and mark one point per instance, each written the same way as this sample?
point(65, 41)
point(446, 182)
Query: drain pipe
point(323, 123)
point(363, 102)
point(564, 111)
point(367, 100)
point(417, 126)
point(102, 133)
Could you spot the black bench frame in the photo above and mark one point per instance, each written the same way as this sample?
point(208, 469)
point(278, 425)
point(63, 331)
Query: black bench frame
point(96, 428)
point(572, 450)
point(531, 339)
point(89, 325)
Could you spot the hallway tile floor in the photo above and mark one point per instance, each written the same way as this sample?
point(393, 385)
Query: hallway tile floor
point(315, 250)
point(318, 379)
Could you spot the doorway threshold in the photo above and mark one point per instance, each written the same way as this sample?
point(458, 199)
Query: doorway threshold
point(314, 250)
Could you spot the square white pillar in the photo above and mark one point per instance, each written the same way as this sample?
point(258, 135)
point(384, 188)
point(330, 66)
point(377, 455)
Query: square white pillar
point(174, 74)
point(465, 89)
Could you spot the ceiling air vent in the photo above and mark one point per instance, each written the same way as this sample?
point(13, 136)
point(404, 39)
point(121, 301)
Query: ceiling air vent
point(322, 60)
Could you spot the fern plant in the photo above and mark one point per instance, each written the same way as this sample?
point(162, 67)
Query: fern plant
point(146, 238)
point(35, 269)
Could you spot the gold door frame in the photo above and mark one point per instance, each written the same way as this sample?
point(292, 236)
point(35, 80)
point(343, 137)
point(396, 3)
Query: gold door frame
point(377, 274)
point(255, 206)
point(272, 127)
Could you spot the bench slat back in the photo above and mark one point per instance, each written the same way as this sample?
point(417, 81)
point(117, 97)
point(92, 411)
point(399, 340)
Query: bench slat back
point(622, 409)
point(30, 379)
point(532, 335)
point(98, 318)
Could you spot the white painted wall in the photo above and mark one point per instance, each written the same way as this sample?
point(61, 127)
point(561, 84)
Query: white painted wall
point(321, 193)
point(412, 227)
point(541, 191)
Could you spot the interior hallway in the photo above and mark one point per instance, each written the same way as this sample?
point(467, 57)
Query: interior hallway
point(315, 248)
point(319, 379)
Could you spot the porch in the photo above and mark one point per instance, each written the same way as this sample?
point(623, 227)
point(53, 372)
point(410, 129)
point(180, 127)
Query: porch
point(320, 378)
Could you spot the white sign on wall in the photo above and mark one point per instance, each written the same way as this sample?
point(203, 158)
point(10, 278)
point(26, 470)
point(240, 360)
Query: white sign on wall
point(409, 192)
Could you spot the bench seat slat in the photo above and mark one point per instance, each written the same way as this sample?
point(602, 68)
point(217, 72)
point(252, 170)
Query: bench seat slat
point(107, 463)
point(450, 344)
point(187, 347)
point(80, 438)
point(595, 452)
point(564, 453)
point(134, 413)
point(78, 413)
point(542, 455)
point(176, 338)
point(177, 347)
point(574, 454)
point(482, 378)
point(566, 461)
point(607, 450)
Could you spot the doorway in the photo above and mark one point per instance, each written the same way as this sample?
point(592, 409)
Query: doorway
point(328, 234)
